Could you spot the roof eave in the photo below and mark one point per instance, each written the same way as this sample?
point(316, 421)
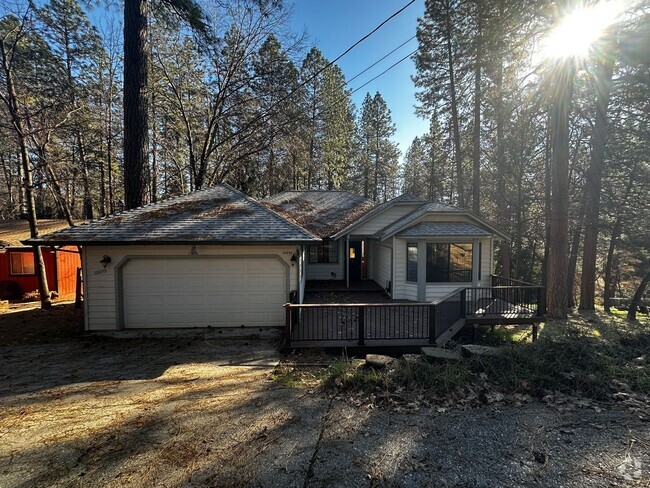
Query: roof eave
point(147, 242)
point(455, 236)
point(496, 231)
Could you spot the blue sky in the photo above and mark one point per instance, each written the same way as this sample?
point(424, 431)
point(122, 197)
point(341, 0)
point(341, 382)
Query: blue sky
point(334, 25)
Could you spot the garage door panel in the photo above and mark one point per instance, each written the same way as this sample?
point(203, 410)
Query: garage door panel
point(200, 292)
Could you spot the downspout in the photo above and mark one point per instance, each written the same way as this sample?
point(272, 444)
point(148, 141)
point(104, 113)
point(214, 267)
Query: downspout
point(347, 260)
point(392, 269)
point(475, 262)
point(84, 281)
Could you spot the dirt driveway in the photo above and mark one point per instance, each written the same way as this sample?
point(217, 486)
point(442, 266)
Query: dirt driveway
point(86, 411)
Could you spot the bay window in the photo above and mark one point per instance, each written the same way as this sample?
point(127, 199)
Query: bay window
point(447, 262)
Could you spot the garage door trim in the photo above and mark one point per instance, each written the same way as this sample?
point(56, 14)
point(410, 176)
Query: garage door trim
point(119, 283)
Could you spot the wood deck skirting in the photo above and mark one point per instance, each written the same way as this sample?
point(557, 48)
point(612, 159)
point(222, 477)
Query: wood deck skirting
point(412, 323)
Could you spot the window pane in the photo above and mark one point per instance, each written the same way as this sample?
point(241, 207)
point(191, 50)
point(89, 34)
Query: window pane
point(16, 263)
point(22, 263)
point(411, 262)
point(460, 262)
point(437, 262)
point(327, 252)
point(332, 252)
point(28, 263)
point(313, 254)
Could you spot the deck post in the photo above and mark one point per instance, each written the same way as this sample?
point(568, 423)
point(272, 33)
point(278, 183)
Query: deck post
point(362, 325)
point(541, 301)
point(534, 331)
point(463, 302)
point(432, 324)
point(287, 324)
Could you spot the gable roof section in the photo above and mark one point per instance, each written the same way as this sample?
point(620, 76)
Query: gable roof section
point(434, 208)
point(444, 229)
point(322, 212)
point(219, 214)
point(378, 209)
point(13, 232)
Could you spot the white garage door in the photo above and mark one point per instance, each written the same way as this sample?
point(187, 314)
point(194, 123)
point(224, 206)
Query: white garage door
point(201, 292)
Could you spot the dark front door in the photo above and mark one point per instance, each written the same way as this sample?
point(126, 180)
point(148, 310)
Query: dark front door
point(355, 259)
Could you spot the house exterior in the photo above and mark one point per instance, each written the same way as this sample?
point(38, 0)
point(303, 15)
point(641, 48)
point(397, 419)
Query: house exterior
point(219, 258)
point(17, 270)
point(413, 249)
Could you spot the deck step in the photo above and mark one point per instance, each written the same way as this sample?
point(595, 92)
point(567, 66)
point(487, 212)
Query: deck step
point(447, 335)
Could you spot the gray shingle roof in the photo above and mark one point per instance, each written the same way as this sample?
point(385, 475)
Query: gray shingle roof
point(214, 215)
point(416, 214)
point(321, 212)
point(444, 229)
point(377, 209)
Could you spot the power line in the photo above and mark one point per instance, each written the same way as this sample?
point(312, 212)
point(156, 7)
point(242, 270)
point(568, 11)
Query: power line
point(311, 78)
point(371, 32)
point(380, 60)
point(384, 72)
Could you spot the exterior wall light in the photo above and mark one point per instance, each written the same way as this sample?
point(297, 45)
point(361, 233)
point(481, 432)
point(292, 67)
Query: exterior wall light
point(105, 260)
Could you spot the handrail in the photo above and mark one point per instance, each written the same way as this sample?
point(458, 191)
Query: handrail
point(512, 280)
point(356, 305)
point(443, 298)
point(408, 320)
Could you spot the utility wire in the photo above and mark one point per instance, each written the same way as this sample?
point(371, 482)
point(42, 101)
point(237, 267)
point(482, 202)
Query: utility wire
point(384, 72)
point(311, 78)
point(380, 60)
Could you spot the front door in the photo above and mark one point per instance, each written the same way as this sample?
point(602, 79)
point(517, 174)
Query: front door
point(355, 259)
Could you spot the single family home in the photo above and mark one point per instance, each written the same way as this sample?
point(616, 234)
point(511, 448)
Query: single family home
point(219, 258)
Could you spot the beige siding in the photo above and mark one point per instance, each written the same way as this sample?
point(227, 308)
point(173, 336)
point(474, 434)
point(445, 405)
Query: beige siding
point(322, 271)
point(100, 283)
point(438, 290)
point(383, 263)
point(384, 219)
point(401, 289)
point(486, 262)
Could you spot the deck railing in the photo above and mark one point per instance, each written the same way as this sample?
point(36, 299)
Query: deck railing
point(356, 323)
point(507, 301)
point(503, 281)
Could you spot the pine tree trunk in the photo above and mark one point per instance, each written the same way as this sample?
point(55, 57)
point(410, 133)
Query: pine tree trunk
point(558, 247)
point(502, 201)
point(136, 123)
point(616, 234)
point(573, 261)
point(594, 182)
point(547, 203)
point(154, 152)
point(460, 181)
point(613, 241)
point(476, 163)
point(638, 295)
point(27, 183)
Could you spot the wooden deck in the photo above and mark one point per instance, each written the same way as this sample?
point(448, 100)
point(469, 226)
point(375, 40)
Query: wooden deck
point(409, 323)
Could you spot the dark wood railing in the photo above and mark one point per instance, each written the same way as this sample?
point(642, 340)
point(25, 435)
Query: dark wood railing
point(503, 281)
point(357, 321)
point(507, 301)
point(361, 322)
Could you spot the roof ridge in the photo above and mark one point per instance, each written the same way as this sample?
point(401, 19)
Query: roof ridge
point(133, 210)
point(273, 212)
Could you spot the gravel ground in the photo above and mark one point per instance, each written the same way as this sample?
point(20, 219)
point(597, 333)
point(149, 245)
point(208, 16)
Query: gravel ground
point(88, 411)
